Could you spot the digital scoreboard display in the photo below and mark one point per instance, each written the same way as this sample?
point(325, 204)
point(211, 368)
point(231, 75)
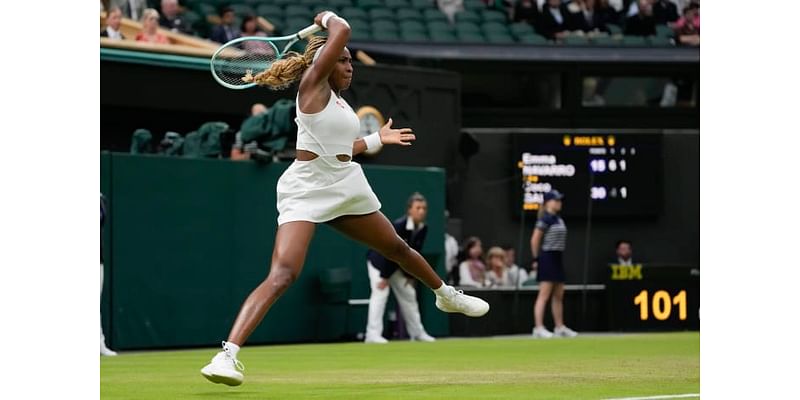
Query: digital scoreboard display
point(620, 174)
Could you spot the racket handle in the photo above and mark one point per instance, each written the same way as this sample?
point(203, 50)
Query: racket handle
point(308, 31)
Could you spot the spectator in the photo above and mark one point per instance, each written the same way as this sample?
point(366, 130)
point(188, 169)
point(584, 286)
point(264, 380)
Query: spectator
point(250, 28)
point(384, 273)
point(664, 12)
point(518, 275)
point(104, 350)
point(624, 253)
point(687, 28)
point(588, 17)
point(610, 10)
point(590, 97)
point(133, 9)
point(172, 19)
point(552, 22)
point(526, 11)
point(450, 8)
point(225, 31)
point(239, 151)
point(150, 33)
point(498, 274)
point(472, 270)
point(642, 23)
point(113, 20)
point(450, 252)
point(548, 242)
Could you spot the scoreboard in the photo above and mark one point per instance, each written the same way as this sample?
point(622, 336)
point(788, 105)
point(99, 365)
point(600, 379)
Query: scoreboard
point(620, 174)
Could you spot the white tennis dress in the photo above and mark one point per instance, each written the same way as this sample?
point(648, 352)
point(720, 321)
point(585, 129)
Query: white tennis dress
point(325, 188)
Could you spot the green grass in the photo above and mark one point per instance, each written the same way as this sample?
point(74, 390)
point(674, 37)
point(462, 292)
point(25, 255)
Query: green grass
point(589, 367)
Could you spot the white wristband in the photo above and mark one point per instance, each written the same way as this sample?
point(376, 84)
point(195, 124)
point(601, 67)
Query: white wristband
point(373, 141)
point(326, 17)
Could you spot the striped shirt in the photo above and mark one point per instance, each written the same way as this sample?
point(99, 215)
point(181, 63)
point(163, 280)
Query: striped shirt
point(555, 232)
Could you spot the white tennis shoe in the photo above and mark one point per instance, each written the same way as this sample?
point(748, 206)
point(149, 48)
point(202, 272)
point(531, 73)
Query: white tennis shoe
point(542, 333)
point(423, 337)
point(224, 368)
point(563, 331)
point(375, 340)
point(456, 301)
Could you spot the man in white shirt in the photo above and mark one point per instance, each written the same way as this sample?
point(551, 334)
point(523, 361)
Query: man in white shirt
point(113, 21)
point(624, 252)
point(132, 9)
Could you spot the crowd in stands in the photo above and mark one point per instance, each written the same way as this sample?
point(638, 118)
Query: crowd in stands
point(563, 21)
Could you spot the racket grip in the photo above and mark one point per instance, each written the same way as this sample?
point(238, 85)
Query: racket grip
point(308, 31)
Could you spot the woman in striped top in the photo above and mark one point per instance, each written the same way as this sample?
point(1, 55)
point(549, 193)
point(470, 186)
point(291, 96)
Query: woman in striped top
point(548, 242)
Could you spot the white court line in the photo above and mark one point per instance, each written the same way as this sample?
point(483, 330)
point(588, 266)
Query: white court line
point(666, 396)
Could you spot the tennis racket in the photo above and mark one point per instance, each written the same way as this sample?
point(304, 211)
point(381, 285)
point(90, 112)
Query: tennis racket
point(235, 63)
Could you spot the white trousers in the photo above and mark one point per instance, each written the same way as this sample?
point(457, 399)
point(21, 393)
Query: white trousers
point(406, 297)
point(102, 336)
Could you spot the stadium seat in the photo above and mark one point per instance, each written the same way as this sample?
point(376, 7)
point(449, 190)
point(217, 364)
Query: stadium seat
point(468, 16)
point(434, 15)
point(340, 3)
point(360, 35)
point(414, 36)
point(443, 37)
point(369, 4)
point(358, 24)
point(353, 12)
point(381, 13)
point(384, 25)
point(499, 38)
point(440, 26)
point(385, 36)
point(242, 9)
point(660, 41)
point(614, 29)
point(664, 31)
point(412, 26)
point(398, 4)
point(205, 9)
point(192, 18)
point(311, 3)
point(493, 16)
point(409, 15)
point(634, 41)
point(269, 11)
point(320, 8)
point(470, 37)
point(495, 28)
point(474, 5)
point(422, 4)
point(295, 10)
point(520, 29)
point(533, 38)
point(467, 27)
point(284, 2)
point(606, 41)
point(576, 41)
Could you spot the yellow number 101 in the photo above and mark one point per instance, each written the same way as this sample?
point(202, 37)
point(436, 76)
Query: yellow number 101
point(662, 304)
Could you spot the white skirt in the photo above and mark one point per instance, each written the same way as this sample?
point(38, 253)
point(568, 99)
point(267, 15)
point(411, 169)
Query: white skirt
point(323, 189)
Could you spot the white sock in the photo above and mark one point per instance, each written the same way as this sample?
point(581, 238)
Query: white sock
point(232, 348)
point(442, 290)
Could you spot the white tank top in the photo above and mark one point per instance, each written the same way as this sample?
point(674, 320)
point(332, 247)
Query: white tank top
point(329, 132)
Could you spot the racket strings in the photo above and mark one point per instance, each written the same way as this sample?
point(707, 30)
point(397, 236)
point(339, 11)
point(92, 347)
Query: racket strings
point(238, 64)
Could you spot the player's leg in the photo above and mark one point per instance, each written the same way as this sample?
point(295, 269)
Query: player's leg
point(376, 232)
point(377, 305)
point(406, 295)
point(288, 255)
point(545, 290)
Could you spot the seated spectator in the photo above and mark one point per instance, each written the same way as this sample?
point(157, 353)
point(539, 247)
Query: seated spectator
point(518, 275)
point(238, 151)
point(642, 23)
point(171, 18)
point(113, 21)
point(450, 8)
point(472, 270)
point(610, 10)
point(225, 31)
point(133, 9)
point(687, 28)
point(526, 11)
point(590, 97)
point(250, 28)
point(498, 274)
point(552, 22)
point(587, 17)
point(149, 31)
point(664, 12)
point(624, 253)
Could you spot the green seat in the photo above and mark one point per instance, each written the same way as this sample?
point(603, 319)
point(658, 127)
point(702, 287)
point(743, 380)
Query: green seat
point(381, 13)
point(340, 3)
point(468, 16)
point(385, 36)
point(358, 23)
point(360, 35)
point(467, 27)
point(443, 37)
point(398, 4)
point(269, 11)
point(470, 37)
point(322, 7)
point(353, 12)
point(474, 5)
point(606, 41)
point(412, 26)
point(369, 4)
point(284, 2)
point(434, 15)
point(660, 41)
point(440, 26)
point(296, 10)
point(664, 31)
point(576, 41)
point(493, 16)
point(413, 36)
point(242, 9)
point(533, 38)
point(634, 41)
point(614, 29)
point(205, 9)
point(384, 25)
point(422, 4)
point(499, 38)
point(311, 3)
point(495, 28)
point(520, 29)
point(409, 15)
point(191, 17)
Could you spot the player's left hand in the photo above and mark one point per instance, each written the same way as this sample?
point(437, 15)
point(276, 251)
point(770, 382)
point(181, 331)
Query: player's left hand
point(402, 136)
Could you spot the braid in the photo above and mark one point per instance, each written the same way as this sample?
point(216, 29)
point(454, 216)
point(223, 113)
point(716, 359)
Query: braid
point(282, 73)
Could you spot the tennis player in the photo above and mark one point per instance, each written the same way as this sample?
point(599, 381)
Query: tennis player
point(324, 185)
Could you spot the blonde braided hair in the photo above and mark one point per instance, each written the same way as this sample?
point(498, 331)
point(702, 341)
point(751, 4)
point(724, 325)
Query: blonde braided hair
point(282, 73)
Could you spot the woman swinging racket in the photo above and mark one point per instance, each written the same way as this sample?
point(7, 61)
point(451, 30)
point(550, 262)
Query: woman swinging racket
point(323, 185)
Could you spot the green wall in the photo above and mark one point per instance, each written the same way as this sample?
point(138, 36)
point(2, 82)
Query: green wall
point(187, 240)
